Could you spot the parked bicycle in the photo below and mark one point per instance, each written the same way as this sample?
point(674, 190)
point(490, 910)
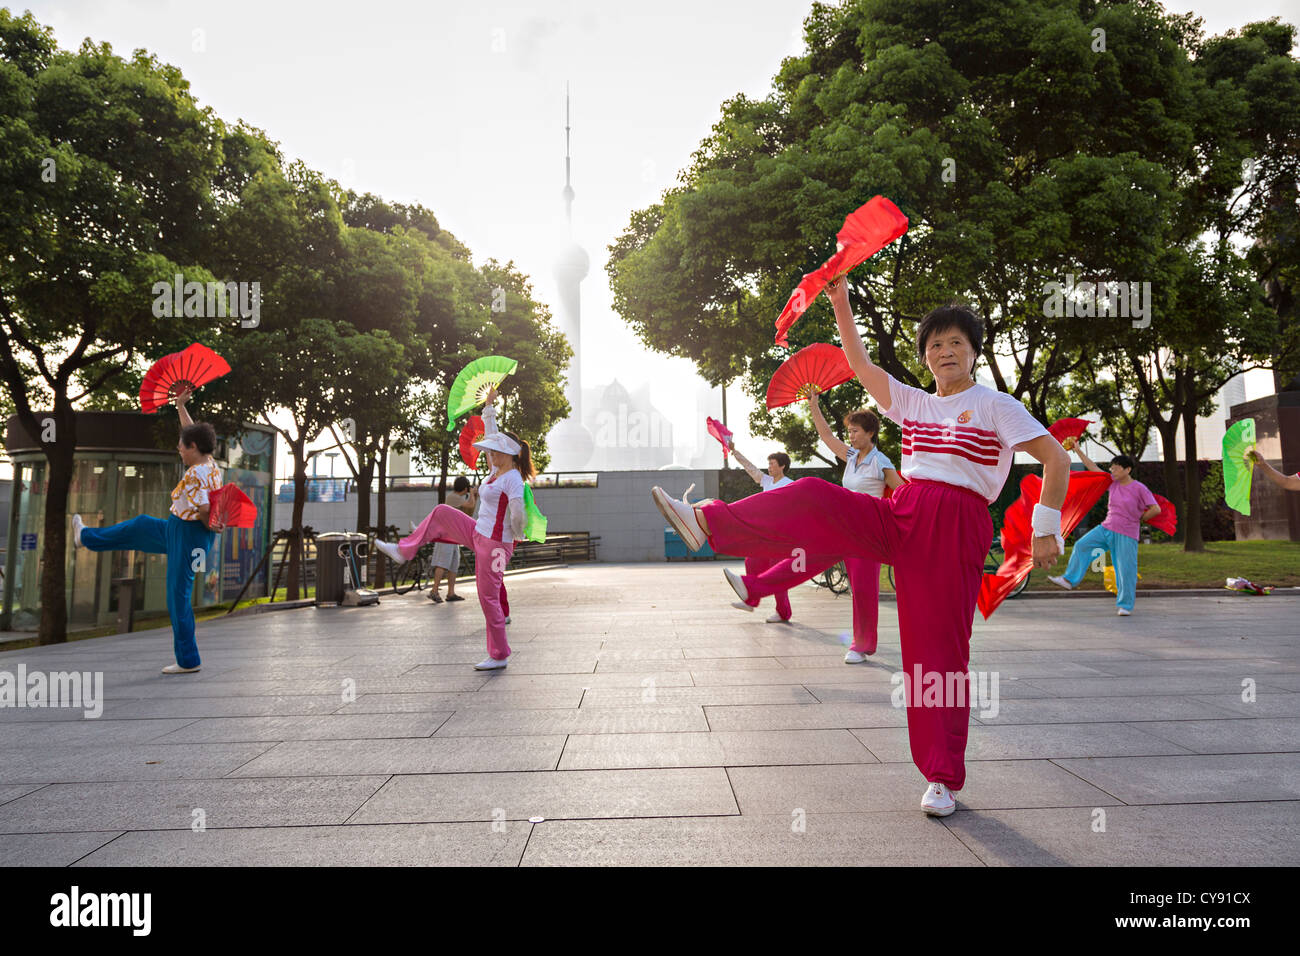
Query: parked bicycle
point(416, 573)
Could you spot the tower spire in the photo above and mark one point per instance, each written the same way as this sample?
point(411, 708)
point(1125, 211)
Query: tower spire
point(568, 186)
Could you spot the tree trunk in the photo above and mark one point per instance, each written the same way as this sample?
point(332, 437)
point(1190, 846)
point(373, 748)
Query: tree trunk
point(1192, 481)
point(446, 465)
point(1169, 460)
point(54, 571)
point(365, 475)
point(296, 549)
point(381, 521)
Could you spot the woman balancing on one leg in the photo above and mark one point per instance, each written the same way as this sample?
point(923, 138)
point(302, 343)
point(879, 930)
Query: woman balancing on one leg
point(935, 530)
point(184, 534)
point(774, 477)
point(1130, 503)
point(868, 471)
point(500, 523)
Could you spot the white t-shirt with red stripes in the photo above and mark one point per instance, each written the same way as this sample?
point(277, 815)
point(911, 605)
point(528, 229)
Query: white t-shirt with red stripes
point(967, 439)
point(494, 505)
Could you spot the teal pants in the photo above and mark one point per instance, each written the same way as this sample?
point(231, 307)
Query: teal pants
point(181, 541)
point(1123, 552)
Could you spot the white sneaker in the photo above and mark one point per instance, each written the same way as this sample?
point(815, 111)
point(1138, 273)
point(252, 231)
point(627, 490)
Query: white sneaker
point(1120, 612)
point(507, 618)
point(938, 801)
point(854, 657)
point(77, 525)
point(1060, 582)
point(177, 669)
point(681, 515)
point(778, 619)
point(491, 664)
point(390, 551)
point(414, 526)
point(742, 606)
point(738, 586)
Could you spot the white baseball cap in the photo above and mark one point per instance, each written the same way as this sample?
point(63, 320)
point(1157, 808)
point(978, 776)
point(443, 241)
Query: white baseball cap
point(498, 442)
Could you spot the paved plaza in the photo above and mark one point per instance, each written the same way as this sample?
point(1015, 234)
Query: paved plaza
point(644, 721)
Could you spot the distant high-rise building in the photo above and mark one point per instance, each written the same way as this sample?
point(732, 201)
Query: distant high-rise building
point(570, 443)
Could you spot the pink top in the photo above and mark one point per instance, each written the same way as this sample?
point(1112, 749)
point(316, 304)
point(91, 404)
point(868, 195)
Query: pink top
point(1127, 502)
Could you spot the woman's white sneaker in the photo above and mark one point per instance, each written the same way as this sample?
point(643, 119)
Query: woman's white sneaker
point(177, 669)
point(777, 619)
point(854, 657)
point(742, 606)
point(491, 664)
point(77, 525)
point(390, 551)
point(1060, 582)
point(938, 801)
point(1122, 613)
point(681, 516)
point(738, 586)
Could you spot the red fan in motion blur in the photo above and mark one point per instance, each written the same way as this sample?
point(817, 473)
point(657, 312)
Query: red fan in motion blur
point(721, 432)
point(230, 507)
point(1084, 491)
point(1067, 428)
point(821, 366)
point(173, 374)
point(1167, 520)
point(866, 231)
point(472, 431)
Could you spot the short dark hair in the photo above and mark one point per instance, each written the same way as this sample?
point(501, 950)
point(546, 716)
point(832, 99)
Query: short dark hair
point(201, 435)
point(782, 459)
point(460, 484)
point(1124, 461)
point(865, 419)
point(954, 315)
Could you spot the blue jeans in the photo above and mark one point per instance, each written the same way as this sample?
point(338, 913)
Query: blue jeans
point(178, 540)
point(1123, 552)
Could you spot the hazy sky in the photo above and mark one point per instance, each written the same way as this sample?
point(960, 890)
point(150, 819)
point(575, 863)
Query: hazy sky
point(460, 106)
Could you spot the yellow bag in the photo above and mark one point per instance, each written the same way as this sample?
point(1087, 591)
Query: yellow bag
point(1108, 577)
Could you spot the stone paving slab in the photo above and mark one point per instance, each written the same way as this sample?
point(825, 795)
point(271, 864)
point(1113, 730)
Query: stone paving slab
point(157, 805)
point(562, 794)
point(1196, 835)
point(646, 721)
point(448, 844)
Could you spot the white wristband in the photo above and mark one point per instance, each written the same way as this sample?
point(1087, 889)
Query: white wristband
point(1046, 523)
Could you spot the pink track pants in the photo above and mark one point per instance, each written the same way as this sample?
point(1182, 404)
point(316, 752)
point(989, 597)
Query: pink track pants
point(864, 586)
point(445, 523)
point(935, 535)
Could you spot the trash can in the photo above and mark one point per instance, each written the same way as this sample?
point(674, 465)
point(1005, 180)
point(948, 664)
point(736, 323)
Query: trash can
point(333, 553)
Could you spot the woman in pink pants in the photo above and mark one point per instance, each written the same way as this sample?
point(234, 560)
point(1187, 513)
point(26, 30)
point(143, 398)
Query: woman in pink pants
point(774, 477)
point(492, 537)
point(958, 443)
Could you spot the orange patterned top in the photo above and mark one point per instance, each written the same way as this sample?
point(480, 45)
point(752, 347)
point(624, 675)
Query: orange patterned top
point(191, 493)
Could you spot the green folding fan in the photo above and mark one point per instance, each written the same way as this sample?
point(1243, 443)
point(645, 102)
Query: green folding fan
point(473, 384)
point(1237, 468)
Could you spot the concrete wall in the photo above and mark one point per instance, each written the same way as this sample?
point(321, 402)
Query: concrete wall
point(618, 509)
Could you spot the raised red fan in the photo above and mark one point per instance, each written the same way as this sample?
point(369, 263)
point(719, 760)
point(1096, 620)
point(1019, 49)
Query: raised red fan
point(821, 366)
point(1068, 428)
point(231, 507)
point(721, 432)
point(1084, 490)
point(175, 373)
point(866, 231)
point(472, 431)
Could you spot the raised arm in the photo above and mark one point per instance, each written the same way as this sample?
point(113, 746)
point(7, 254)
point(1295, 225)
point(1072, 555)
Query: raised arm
point(824, 432)
point(180, 400)
point(873, 378)
point(1289, 482)
point(1088, 463)
point(748, 465)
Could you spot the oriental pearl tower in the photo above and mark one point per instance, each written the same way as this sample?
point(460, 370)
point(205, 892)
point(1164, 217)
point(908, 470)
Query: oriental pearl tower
point(570, 443)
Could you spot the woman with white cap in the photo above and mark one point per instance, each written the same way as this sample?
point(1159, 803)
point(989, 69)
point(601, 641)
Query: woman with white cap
point(501, 522)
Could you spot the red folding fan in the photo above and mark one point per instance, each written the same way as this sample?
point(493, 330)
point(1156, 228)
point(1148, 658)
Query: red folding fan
point(472, 431)
point(821, 366)
point(173, 374)
point(721, 432)
point(866, 231)
point(1084, 490)
point(231, 507)
point(1167, 520)
point(1068, 428)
